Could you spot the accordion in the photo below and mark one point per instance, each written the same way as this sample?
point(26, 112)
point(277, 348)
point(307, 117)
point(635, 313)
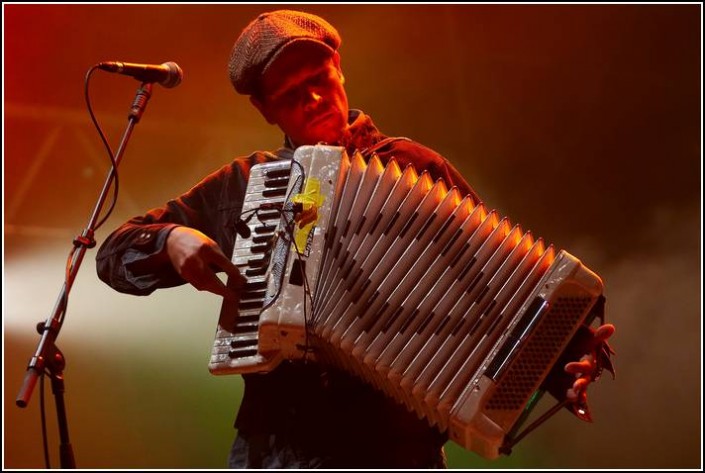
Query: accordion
point(422, 292)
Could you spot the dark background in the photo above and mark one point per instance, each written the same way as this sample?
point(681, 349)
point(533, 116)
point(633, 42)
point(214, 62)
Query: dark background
point(582, 123)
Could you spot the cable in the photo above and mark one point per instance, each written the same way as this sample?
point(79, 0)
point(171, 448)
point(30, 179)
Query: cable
point(88, 240)
point(111, 155)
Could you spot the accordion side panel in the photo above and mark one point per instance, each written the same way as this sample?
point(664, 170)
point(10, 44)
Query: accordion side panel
point(282, 327)
point(525, 354)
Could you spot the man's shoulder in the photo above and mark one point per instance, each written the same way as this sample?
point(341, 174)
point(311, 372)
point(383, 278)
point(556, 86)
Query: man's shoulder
point(408, 151)
point(259, 157)
point(242, 164)
point(237, 169)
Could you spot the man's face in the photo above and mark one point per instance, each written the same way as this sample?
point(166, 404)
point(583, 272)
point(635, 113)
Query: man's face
point(302, 92)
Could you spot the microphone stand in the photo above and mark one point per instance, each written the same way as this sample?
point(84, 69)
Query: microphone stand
point(47, 358)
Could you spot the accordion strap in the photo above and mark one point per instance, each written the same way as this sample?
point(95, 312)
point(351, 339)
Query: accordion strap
point(366, 152)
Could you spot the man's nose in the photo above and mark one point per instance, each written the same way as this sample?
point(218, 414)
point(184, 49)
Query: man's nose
point(313, 98)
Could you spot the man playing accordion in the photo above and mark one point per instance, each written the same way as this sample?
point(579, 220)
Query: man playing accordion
point(300, 415)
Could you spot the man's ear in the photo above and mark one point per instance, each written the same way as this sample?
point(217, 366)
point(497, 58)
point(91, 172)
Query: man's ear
point(262, 108)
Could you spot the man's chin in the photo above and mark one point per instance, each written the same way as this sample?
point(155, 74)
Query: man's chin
point(329, 137)
point(329, 130)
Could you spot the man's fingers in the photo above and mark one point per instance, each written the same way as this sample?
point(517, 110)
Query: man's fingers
point(203, 278)
point(197, 259)
point(218, 259)
point(575, 367)
point(580, 384)
point(210, 282)
point(586, 368)
point(604, 332)
point(578, 389)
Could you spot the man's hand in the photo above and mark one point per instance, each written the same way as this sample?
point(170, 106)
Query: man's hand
point(586, 369)
point(197, 259)
point(589, 368)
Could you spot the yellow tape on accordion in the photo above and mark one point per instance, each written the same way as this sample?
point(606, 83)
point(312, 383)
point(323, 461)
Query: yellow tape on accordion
point(420, 291)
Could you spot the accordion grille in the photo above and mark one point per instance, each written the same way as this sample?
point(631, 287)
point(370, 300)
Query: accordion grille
point(545, 345)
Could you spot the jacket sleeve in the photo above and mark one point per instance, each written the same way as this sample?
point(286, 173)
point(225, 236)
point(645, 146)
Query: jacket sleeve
point(133, 258)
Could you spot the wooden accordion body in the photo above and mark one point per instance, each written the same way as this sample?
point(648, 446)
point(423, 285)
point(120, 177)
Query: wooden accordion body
point(419, 291)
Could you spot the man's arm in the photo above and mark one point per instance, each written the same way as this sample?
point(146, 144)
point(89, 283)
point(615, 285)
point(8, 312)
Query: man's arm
point(178, 243)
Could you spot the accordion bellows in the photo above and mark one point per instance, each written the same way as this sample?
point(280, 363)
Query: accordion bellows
point(425, 294)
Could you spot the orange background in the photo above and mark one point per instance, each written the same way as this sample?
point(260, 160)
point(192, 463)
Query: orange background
point(580, 122)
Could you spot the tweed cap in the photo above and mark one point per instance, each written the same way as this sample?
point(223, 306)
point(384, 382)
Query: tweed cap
point(267, 36)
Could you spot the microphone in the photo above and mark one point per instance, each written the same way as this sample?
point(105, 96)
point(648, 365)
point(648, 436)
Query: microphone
point(242, 229)
point(168, 74)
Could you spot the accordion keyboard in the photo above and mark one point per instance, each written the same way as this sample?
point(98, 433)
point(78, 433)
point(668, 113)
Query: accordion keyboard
point(237, 334)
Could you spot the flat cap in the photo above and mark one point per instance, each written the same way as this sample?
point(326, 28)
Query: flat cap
point(267, 36)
